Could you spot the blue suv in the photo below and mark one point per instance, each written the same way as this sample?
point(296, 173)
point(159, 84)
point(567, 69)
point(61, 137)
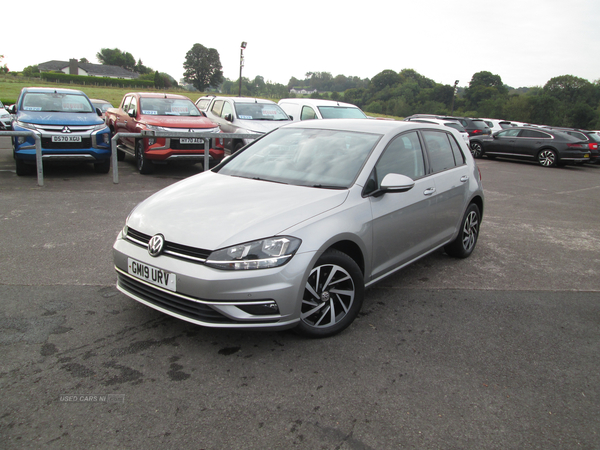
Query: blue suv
point(70, 128)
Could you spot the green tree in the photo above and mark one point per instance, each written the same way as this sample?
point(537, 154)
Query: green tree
point(31, 71)
point(203, 67)
point(387, 78)
point(115, 57)
point(3, 68)
point(484, 86)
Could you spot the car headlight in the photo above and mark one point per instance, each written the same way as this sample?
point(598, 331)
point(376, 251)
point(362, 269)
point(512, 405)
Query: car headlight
point(29, 126)
point(262, 254)
point(155, 128)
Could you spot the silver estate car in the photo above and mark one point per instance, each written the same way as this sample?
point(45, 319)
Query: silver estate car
point(289, 231)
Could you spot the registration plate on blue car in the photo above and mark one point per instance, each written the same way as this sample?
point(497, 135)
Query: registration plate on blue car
point(152, 275)
point(66, 138)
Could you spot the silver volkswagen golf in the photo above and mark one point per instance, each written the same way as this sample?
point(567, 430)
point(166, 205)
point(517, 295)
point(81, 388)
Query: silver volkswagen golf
point(290, 230)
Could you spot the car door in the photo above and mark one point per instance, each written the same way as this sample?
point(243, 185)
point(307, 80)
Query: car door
point(528, 142)
point(449, 171)
point(131, 122)
point(502, 142)
point(402, 225)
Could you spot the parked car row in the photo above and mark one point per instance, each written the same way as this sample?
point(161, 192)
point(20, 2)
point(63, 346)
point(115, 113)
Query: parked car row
point(549, 146)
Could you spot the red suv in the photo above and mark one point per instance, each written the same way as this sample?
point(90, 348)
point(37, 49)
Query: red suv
point(163, 113)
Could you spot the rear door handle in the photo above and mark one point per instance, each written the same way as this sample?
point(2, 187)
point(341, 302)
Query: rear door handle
point(429, 191)
point(464, 178)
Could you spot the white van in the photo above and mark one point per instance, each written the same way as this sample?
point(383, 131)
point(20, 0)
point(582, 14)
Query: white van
point(311, 108)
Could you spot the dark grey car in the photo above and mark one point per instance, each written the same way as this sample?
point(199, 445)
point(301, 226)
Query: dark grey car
point(548, 147)
point(289, 231)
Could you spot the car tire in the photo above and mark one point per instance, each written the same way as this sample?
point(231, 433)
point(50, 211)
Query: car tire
point(144, 166)
point(23, 168)
point(476, 149)
point(332, 297)
point(547, 158)
point(238, 146)
point(465, 242)
point(102, 167)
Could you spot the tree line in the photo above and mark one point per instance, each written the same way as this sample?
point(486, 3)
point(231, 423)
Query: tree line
point(566, 100)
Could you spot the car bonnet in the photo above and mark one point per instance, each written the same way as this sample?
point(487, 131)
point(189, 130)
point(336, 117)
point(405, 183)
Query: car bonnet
point(59, 118)
point(213, 211)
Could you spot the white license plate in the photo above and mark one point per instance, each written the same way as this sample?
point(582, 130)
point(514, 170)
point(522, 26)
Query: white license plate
point(152, 275)
point(191, 141)
point(66, 138)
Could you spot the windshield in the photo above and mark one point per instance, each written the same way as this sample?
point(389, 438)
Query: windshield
point(168, 107)
point(54, 102)
point(102, 106)
point(341, 112)
point(260, 111)
point(304, 157)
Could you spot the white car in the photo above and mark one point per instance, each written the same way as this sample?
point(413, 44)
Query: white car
point(5, 118)
point(242, 115)
point(447, 123)
point(311, 108)
point(497, 124)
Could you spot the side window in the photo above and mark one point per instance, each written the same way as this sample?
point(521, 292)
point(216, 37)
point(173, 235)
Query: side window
point(227, 109)
point(534, 134)
point(133, 105)
point(126, 102)
point(308, 113)
point(217, 107)
point(459, 157)
point(439, 149)
point(404, 156)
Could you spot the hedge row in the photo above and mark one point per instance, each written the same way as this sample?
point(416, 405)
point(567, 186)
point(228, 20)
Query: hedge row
point(94, 81)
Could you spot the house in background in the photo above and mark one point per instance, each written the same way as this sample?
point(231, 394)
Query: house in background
point(74, 67)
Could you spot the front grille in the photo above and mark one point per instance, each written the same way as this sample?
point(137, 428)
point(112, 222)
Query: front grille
point(48, 144)
point(173, 249)
point(172, 303)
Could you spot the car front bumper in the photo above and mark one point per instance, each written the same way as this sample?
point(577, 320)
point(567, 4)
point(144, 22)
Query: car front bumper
point(257, 299)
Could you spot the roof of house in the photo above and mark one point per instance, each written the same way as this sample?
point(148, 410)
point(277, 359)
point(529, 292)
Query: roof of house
point(98, 70)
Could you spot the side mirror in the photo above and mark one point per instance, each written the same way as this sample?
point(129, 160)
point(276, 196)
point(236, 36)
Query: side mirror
point(99, 112)
point(131, 113)
point(291, 117)
point(394, 182)
point(228, 117)
point(12, 109)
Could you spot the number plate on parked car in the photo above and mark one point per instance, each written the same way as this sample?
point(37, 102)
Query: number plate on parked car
point(191, 141)
point(152, 275)
point(66, 138)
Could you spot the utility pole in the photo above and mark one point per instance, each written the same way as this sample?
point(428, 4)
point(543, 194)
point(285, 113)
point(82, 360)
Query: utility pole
point(242, 47)
point(453, 94)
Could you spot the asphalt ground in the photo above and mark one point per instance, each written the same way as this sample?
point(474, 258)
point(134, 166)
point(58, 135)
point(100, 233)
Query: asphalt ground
point(498, 351)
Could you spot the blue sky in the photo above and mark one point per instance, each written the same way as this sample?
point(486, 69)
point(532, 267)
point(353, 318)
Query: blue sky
point(525, 42)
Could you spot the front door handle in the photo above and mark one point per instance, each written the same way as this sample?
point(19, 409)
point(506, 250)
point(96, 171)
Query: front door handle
point(429, 191)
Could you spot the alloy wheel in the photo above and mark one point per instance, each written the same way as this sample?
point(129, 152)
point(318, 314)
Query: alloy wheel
point(328, 296)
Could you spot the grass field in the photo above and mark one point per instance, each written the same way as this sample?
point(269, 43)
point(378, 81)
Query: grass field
point(11, 86)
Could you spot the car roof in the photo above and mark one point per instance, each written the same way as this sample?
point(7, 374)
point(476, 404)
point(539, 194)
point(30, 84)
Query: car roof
point(246, 100)
point(364, 125)
point(158, 95)
point(316, 102)
point(45, 90)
